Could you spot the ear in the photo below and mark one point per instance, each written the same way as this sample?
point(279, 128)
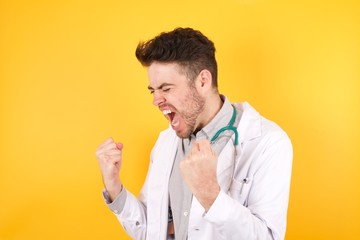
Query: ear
point(204, 82)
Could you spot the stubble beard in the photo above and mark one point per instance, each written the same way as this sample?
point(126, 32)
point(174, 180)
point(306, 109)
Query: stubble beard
point(192, 110)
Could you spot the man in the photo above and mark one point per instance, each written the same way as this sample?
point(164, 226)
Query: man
point(220, 171)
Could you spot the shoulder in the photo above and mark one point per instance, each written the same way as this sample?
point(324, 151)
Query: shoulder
point(263, 142)
point(166, 139)
point(167, 133)
point(253, 126)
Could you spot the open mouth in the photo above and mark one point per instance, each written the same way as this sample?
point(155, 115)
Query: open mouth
point(172, 117)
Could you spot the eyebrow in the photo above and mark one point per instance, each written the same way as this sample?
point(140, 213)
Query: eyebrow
point(161, 86)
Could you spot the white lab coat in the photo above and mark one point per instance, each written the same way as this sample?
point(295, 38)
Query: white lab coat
point(254, 177)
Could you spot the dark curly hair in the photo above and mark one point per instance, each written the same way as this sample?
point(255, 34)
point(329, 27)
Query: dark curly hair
point(185, 46)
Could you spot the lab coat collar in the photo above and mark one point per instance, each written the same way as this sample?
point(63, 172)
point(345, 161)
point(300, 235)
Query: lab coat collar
point(250, 123)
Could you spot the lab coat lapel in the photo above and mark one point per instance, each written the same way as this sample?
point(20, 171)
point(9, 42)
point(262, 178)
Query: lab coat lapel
point(225, 165)
point(249, 127)
point(163, 157)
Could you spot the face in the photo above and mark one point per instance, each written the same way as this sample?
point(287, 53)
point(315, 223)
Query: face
point(175, 97)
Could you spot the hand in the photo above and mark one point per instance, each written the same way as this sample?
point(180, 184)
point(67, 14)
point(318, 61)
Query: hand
point(109, 157)
point(198, 170)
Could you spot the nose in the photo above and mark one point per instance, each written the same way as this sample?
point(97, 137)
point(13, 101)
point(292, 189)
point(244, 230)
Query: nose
point(158, 98)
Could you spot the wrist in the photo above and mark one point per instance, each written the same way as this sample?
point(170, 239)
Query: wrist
point(113, 189)
point(208, 198)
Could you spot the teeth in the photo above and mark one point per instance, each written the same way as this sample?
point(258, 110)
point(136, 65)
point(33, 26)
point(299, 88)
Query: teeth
point(165, 112)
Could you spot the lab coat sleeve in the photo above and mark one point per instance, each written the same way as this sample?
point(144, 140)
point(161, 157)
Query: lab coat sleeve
point(263, 215)
point(133, 216)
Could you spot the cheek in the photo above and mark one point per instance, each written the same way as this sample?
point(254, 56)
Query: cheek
point(177, 101)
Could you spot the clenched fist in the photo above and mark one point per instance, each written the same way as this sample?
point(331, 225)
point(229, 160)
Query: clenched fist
point(109, 157)
point(198, 170)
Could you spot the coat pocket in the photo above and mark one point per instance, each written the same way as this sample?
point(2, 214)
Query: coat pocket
point(239, 190)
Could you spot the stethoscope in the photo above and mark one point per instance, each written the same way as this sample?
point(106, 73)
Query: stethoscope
point(230, 127)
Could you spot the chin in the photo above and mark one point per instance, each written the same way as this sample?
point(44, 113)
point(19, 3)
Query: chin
point(183, 135)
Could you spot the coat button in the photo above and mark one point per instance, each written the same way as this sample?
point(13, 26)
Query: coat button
point(186, 213)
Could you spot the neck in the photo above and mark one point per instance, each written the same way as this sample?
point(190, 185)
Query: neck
point(213, 105)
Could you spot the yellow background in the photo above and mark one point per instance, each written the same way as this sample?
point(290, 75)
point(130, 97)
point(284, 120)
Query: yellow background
point(69, 79)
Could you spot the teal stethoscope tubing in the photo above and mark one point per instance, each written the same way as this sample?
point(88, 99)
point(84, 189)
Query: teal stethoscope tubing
point(230, 127)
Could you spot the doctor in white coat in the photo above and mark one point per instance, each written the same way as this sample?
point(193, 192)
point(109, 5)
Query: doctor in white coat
point(238, 186)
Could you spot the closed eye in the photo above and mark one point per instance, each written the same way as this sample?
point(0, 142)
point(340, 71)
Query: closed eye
point(166, 89)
